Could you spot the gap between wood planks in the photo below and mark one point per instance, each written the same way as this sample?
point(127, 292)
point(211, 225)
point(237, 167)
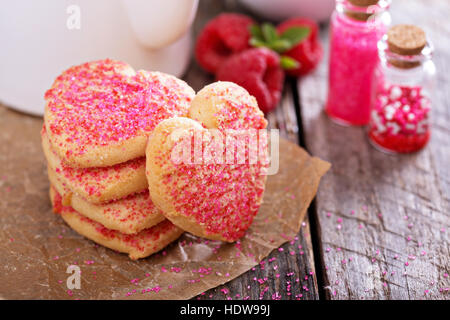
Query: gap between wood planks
point(314, 231)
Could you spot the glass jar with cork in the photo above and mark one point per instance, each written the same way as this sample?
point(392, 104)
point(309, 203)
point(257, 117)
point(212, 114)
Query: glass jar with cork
point(400, 117)
point(356, 28)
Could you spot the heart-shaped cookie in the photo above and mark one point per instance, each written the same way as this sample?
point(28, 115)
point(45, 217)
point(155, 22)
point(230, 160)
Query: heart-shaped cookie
point(209, 196)
point(99, 184)
point(100, 113)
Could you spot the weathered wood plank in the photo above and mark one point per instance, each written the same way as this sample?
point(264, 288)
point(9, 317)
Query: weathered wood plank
point(301, 265)
point(393, 211)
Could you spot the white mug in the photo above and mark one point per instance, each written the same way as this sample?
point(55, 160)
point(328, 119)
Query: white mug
point(40, 39)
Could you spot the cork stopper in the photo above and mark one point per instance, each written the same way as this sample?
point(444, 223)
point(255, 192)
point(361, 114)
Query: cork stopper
point(363, 3)
point(361, 15)
point(406, 40)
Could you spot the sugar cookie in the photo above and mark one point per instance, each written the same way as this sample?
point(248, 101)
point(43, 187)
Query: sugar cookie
point(137, 246)
point(215, 201)
point(98, 185)
point(128, 215)
point(100, 113)
point(225, 105)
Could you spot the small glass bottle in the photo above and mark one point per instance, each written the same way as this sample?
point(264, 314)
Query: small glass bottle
point(356, 28)
point(400, 118)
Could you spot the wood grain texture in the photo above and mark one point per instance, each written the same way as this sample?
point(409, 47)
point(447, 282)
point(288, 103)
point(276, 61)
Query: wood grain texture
point(393, 242)
point(301, 283)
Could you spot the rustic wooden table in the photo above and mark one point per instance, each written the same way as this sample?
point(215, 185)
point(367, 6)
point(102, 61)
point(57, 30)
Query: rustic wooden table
point(379, 227)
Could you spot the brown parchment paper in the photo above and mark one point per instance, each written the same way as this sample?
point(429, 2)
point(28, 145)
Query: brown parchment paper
point(36, 246)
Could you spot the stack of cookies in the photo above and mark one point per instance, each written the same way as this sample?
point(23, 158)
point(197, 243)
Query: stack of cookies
point(98, 117)
point(109, 135)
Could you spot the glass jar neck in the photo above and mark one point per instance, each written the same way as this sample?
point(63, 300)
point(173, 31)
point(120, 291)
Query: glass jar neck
point(363, 14)
point(394, 60)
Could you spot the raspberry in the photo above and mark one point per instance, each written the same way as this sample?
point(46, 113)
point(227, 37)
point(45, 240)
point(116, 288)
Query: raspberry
point(224, 35)
point(257, 70)
point(309, 52)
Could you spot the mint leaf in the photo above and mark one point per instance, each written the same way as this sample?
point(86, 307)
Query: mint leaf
point(269, 32)
point(288, 63)
point(295, 34)
point(254, 42)
point(280, 45)
point(255, 32)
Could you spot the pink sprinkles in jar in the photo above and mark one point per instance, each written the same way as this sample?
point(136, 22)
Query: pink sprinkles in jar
point(400, 118)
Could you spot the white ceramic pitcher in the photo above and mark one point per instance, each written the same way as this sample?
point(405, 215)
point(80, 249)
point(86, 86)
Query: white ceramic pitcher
point(40, 39)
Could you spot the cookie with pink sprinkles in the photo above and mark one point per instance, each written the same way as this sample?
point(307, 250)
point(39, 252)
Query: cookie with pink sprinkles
point(208, 197)
point(100, 113)
point(96, 185)
point(137, 246)
point(128, 215)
